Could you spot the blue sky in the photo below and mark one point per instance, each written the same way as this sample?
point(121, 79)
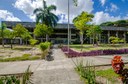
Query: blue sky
point(103, 10)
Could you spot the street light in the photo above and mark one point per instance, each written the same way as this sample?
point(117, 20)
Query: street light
point(75, 3)
point(68, 26)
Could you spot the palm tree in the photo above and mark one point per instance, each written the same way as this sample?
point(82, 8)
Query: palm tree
point(45, 16)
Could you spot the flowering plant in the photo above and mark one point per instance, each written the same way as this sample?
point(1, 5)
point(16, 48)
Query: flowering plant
point(117, 64)
point(118, 67)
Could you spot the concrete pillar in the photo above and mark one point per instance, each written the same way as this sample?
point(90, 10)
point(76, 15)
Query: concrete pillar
point(70, 35)
point(108, 36)
point(124, 36)
point(20, 41)
point(117, 34)
point(99, 38)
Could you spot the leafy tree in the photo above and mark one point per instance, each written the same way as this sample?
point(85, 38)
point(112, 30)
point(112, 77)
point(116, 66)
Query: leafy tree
point(42, 29)
point(45, 16)
point(2, 28)
point(9, 35)
point(94, 31)
point(26, 36)
point(107, 24)
point(81, 23)
point(21, 31)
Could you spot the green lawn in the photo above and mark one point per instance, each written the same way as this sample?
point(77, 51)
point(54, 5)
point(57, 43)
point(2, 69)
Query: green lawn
point(22, 58)
point(108, 74)
point(90, 47)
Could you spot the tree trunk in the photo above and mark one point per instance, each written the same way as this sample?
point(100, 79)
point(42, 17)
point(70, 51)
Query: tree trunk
point(93, 40)
point(26, 41)
point(81, 39)
point(11, 43)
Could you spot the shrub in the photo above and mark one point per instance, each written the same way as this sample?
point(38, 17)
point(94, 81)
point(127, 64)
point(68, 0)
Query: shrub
point(33, 42)
point(115, 40)
point(44, 46)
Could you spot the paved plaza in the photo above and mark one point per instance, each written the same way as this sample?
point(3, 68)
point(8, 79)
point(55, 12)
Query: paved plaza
point(58, 71)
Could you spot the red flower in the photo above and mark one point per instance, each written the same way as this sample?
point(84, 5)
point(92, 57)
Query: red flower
point(117, 64)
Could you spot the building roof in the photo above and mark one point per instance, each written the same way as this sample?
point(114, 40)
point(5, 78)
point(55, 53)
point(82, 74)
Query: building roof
point(32, 24)
point(10, 24)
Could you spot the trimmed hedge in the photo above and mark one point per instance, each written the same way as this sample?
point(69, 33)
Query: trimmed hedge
point(73, 53)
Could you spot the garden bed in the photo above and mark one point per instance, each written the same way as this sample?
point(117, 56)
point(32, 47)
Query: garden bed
point(73, 53)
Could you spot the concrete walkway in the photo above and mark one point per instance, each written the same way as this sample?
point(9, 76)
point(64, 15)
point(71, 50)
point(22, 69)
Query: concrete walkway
point(58, 71)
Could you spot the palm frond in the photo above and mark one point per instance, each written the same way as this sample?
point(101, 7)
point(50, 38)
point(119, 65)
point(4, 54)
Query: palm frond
point(37, 10)
point(75, 2)
point(51, 8)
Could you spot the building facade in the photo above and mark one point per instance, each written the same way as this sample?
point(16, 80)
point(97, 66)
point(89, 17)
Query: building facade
point(60, 34)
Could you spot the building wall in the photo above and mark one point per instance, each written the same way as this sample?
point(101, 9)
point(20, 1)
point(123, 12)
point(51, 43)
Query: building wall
point(60, 33)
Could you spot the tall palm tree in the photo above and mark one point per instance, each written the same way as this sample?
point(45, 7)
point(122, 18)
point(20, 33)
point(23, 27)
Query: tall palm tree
point(45, 16)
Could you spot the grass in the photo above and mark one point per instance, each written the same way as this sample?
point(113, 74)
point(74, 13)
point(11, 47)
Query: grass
point(90, 47)
point(22, 58)
point(109, 74)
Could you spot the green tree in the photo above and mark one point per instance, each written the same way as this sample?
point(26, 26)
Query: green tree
point(45, 16)
point(81, 23)
point(8, 34)
point(26, 36)
point(42, 30)
point(94, 32)
point(2, 28)
point(20, 31)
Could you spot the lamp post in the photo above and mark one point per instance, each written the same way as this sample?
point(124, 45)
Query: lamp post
point(68, 26)
point(75, 3)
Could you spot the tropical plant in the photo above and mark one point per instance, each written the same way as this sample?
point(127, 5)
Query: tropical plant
point(118, 67)
point(45, 16)
point(17, 79)
point(81, 24)
point(94, 32)
point(86, 72)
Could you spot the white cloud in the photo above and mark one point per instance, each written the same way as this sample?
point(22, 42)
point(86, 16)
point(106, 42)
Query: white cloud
point(101, 17)
point(27, 6)
point(8, 16)
point(113, 7)
point(102, 2)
